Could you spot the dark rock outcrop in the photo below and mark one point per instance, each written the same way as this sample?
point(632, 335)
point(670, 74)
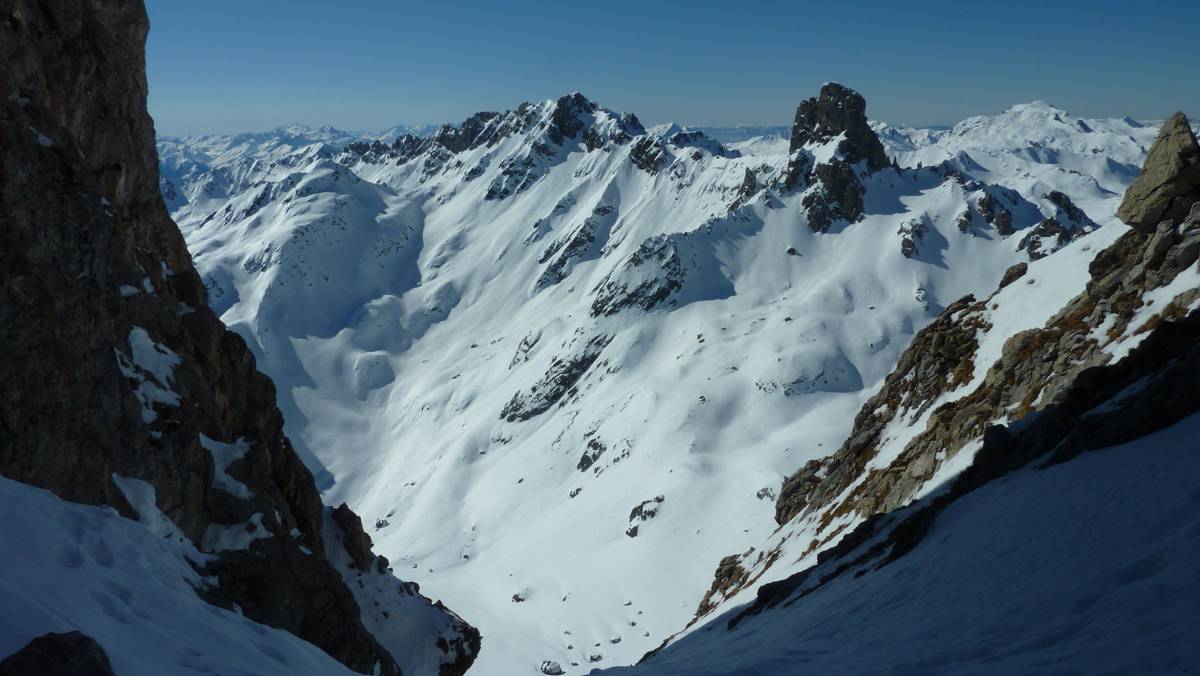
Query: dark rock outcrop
point(699, 141)
point(642, 512)
point(1068, 223)
point(839, 110)
point(649, 154)
point(556, 384)
point(569, 122)
point(115, 365)
point(1068, 211)
point(473, 132)
point(1093, 412)
point(834, 187)
point(69, 654)
point(280, 585)
point(836, 194)
point(745, 191)
point(1013, 274)
point(354, 539)
point(1049, 228)
point(993, 210)
point(1034, 369)
point(595, 449)
point(963, 222)
point(1170, 180)
point(940, 358)
point(911, 233)
point(564, 120)
point(649, 277)
point(585, 242)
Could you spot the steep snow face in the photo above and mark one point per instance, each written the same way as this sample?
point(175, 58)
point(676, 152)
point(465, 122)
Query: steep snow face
point(1028, 303)
point(132, 585)
point(1100, 549)
point(563, 363)
point(129, 585)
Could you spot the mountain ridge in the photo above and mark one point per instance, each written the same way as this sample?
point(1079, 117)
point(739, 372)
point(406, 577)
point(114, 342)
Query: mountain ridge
point(1117, 363)
point(501, 309)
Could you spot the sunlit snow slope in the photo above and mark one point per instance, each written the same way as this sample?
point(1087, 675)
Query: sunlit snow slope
point(562, 363)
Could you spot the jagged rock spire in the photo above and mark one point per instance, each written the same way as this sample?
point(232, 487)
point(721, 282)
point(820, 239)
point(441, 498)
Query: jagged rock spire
point(1170, 180)
point(839, 110)
point(834, 189)
point(564, 121)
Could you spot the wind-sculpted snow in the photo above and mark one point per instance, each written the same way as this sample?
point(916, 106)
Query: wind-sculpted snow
point(499, 339)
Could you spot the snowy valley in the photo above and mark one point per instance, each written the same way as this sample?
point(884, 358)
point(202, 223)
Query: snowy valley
point(563, 363)
point(553, 391)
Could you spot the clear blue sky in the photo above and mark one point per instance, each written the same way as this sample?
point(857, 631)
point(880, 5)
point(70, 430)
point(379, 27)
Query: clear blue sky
point(240, 65)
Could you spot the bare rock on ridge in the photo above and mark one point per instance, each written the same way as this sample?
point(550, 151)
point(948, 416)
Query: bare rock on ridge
point(839, 110)
point(1170, 180)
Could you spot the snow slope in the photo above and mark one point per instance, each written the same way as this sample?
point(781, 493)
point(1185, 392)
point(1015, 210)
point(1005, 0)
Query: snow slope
point(132, 586)
point(1101, 548)
point(129, 585)
point(1028, 303)
point(504, 346)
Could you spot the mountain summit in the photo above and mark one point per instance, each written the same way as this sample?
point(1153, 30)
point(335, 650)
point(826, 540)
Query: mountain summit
point(832, 151)
point(839, 111)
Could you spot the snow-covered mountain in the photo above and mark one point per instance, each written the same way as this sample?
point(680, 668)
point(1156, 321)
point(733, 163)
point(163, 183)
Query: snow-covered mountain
point(216, 167)
point(563, 363)
point(1092, 160)
point(742, 132)
point(1007, 501)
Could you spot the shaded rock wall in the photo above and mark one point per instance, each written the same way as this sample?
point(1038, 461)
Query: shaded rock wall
point(114, 363)
point(68, 654)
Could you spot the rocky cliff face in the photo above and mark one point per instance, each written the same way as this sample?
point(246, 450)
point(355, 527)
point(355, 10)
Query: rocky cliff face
point(838, 111)
point(117, 370)
point(1154, 387)
point(1117, 362)
point(832, 149)
point(1170, 181)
